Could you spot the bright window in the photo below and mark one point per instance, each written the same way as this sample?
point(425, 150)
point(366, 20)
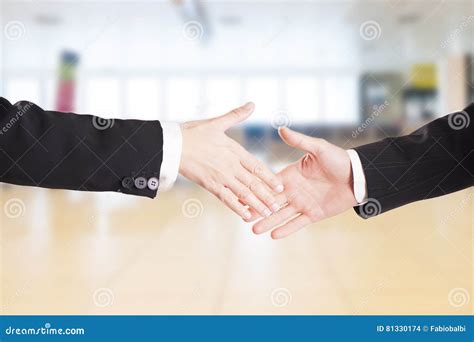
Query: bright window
point(222, 95)
point(51, 94)
point(19, 89)
point(341, 103)
point(102, 97)
point(142, 99)
point(183, 100)
point(303, 99)
point(264, 93)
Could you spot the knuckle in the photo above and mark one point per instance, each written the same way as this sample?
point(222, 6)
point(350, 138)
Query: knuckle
point(235, 113)
point(268, 198)
point(258, 170)
point(245, 195)
point(209, 182)
point(254, 185)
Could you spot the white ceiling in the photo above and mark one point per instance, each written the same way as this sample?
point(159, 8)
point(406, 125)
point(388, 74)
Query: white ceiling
point(242, 35)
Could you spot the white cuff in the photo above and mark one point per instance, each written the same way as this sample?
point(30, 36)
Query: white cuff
point(172, 144)
point(360, 186)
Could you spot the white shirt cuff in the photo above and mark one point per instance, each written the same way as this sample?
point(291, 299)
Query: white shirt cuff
point(360, 185)
point(172, 144)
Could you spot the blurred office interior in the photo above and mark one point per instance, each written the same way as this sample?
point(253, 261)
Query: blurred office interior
point(349, 71)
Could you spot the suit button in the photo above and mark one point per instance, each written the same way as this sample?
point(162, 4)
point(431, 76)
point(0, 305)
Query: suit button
point(140, 183)
point(127, 182)
point(153, 183)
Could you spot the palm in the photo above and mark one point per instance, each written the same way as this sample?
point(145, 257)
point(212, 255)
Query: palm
point(317, 186)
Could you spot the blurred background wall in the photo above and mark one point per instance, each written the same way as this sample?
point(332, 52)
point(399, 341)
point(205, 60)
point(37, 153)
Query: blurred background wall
point(350, 71)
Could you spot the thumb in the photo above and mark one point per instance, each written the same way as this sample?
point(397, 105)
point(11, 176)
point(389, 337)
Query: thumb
point(235, 116)
point(299, 140)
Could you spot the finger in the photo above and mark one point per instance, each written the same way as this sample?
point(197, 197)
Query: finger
point(257, 168)
point(260, 189)
point(253, 215)
point(282, 201)
point(235, 116)
point(276, 219)
point(232, 202)
point(247, 196)
point(300, 141)
point(290, 227)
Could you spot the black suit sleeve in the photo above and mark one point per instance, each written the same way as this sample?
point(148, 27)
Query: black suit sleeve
point(78, 152)
point(435, 160)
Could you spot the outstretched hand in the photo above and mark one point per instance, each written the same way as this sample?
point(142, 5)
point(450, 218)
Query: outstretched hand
point(317, 186)
point(220, 165)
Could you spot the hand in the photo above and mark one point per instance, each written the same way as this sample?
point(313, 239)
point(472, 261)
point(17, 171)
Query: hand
point(223, 167)
point(318, 186)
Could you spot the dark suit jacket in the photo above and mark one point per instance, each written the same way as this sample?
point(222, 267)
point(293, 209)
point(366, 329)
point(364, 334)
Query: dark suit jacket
point(79, 152)
point(435, 160)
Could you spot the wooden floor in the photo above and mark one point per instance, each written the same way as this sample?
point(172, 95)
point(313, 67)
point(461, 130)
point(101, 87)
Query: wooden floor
point(184, 253)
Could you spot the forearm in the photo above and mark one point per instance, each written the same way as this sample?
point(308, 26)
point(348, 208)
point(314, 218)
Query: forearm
point(434, 160)
point(78, 152)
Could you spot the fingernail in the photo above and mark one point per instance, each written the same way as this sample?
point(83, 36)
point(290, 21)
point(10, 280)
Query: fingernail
point(275, 207)
point(248, 105)
point(267, 212)
point(279, 188)
point(247, 215)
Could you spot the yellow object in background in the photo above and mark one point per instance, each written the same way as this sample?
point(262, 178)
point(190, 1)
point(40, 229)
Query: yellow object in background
point(423, 76)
